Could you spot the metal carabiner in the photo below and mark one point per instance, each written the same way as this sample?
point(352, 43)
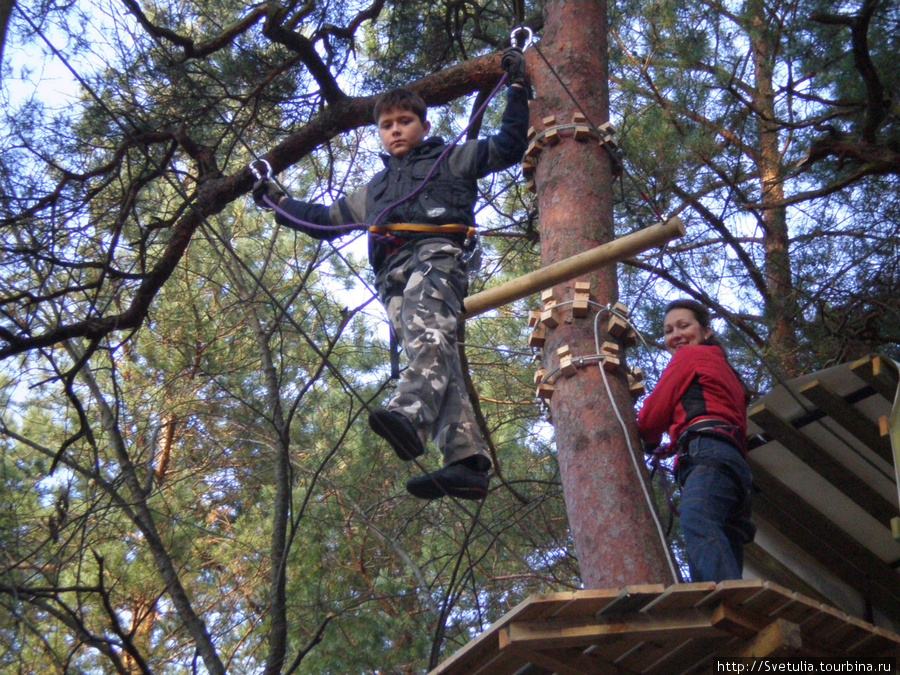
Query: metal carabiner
point(529, 36)
point(257, 173)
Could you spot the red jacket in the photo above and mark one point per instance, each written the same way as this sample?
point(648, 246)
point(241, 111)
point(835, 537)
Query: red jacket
point(698, 384)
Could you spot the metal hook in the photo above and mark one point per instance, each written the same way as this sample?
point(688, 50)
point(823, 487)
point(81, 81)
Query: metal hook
point(529, 36)
point(256, 172)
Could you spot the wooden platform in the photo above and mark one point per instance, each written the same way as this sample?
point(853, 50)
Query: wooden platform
point(653, 629)
point(823, 461)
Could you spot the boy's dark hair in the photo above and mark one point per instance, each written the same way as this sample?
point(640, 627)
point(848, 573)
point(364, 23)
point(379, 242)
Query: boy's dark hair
point(403, 99)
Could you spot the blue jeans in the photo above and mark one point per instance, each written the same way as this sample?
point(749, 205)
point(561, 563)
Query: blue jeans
point(715, 484)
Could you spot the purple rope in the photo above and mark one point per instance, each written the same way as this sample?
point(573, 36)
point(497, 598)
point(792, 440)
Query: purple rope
point(351, 227)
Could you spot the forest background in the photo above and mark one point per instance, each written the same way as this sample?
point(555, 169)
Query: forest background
point(187, 481)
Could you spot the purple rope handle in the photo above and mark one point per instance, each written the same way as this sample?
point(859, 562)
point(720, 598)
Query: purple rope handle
point(351, 227)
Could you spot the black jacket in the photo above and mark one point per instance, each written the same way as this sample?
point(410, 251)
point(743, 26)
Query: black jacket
point(449, 197)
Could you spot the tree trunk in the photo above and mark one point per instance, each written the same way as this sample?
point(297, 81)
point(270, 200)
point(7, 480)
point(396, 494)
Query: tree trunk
point(781, 303)
point(609, 516)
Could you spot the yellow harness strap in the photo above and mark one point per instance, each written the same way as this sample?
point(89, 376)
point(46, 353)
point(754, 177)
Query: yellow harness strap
point(421, 227)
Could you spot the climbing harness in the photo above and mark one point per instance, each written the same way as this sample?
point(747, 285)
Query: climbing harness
point(423, 228)
point(714, 429)
point(471, 245)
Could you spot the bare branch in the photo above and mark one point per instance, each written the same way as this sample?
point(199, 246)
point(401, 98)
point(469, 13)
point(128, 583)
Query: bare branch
point(190, 48)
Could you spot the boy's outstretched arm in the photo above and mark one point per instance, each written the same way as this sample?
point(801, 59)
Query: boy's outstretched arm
point(312, 219)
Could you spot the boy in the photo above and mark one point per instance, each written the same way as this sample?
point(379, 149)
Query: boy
point(418, 253)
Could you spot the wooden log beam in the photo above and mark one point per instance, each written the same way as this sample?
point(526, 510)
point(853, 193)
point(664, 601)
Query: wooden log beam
point(570, 268)
point(779, 639)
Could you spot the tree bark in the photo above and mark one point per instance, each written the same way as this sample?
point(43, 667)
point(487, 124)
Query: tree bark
point(609, 516)
point(781, 302)
point(6, 8)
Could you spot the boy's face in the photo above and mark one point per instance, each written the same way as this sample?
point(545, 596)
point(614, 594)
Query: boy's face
point(401, 130)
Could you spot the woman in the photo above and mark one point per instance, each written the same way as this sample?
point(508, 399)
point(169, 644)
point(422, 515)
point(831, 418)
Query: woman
point(701, 401)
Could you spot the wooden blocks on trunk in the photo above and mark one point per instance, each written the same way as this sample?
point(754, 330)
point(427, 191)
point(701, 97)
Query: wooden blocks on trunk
point(582, 130)
point(553, 132)
point(566, 367)
point(609, 356)
point(549, 316)
point(636, 383)
point(610, 353)
point(544, 390)
point(581, 300)
point(538, 330)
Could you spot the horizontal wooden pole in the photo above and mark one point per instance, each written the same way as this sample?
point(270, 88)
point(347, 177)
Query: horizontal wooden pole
point(570, 268)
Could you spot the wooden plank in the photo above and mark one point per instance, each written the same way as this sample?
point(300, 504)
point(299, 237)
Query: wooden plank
point(799, 610)
point(879, 373)
point(826, 542)
point(633, 598)
point(823, 622)
point(848, 417)
point(565, 661)
point(559, 634)
point(478, 651)
point(586, 603)
point(733, 591)
point(820, 461)
point(767, 600)
point(645, 653)
point(571, 603)
point(680, 596)
point(504, 662)
point(864, 631)
point(612, 648)
point(878, 643)
point(849, 633)
point(592, 665)
point(500, 663)
point(485, 644)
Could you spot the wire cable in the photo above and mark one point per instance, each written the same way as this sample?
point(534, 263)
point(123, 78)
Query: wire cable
point(631, 453)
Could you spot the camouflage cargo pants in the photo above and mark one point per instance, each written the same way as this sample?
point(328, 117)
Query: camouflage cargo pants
point(422, 289)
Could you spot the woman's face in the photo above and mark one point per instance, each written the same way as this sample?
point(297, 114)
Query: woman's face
point(680, 328)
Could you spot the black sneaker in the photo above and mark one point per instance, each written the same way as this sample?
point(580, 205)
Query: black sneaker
point(454, 480)
point(399, 432)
